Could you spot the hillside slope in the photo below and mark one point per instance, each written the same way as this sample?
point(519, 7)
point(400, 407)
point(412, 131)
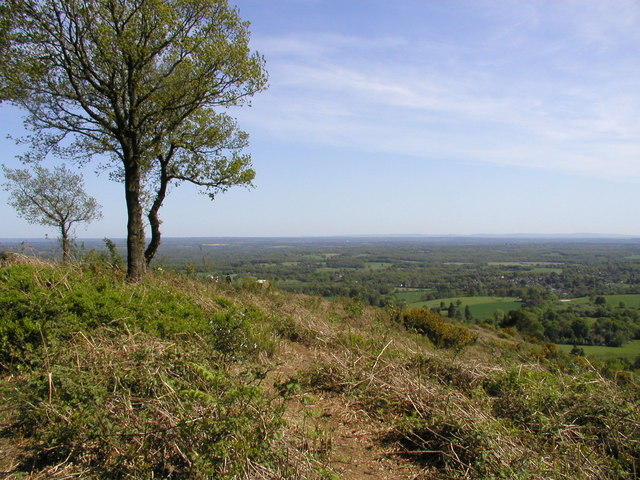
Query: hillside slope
point(182, 378)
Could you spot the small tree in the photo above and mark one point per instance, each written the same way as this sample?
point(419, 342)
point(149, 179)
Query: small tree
point(468, 316)
point(52, 198)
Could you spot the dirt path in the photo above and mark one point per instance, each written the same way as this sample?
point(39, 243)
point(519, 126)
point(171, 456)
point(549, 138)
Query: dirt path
point(335, 429)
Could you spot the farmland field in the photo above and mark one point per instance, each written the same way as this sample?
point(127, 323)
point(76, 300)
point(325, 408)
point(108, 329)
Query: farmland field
point(629, 300)
point(527, 264)
point(377, 265)
point(486, 310)
point(628, 350)
point(411, 296)
point(481, 307)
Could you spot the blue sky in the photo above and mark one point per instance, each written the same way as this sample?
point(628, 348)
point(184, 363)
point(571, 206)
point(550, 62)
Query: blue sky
point(421, 117)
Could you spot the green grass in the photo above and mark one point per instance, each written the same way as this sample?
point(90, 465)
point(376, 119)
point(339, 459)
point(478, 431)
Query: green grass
point(481, 307)
point(411, 296)
point(629, 350)
point(486, 310)
point(630, 300)
point(471, 301)
point(377, 265)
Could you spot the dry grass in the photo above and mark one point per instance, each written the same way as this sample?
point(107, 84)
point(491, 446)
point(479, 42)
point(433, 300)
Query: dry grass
point(10, 258)
point(441, 412)
point(361, 398)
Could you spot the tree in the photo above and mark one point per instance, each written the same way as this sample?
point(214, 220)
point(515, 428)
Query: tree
point(52, 198)
point(580, 330)
point(525, 322)
point(141, 81)
point(451, 311)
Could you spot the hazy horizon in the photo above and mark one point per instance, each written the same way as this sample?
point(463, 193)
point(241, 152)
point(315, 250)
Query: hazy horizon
point(521, 236)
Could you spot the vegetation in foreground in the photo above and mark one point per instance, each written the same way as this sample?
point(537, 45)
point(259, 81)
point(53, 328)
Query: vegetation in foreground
point(181, 378)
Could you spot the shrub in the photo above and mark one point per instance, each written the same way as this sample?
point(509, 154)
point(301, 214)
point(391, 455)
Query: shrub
point(441, 332)
point(44, 304)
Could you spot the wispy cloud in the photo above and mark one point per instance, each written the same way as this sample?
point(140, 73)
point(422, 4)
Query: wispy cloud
point(553, 85)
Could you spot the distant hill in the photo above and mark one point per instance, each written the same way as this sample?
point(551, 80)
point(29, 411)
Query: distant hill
point(49, 245)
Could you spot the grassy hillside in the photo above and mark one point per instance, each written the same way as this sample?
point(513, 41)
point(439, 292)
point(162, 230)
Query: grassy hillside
point(182, 378)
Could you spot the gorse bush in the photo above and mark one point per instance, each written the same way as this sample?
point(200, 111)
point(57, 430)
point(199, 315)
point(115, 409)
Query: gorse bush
point(441, 332)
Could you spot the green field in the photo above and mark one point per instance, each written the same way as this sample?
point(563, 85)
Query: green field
point(335, 269)
point(526, 264)
point(481, 307)
point(486, 310)
point(411, 296)
point(546, 270)
point(377, 265)
point(629, 350)
point(630, 300)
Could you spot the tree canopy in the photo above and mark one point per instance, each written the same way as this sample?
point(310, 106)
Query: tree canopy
point(143, 83)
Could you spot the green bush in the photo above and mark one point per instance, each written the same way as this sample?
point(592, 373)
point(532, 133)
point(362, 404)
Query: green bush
point(47, 304)
point(235, 333)
point(441, 332)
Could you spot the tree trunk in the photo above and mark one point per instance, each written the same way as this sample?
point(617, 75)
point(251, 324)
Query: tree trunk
point(154, 220)
point(136, 265)
point(64, 240)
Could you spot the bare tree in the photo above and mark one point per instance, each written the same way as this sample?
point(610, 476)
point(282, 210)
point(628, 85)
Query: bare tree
point(52, 198)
